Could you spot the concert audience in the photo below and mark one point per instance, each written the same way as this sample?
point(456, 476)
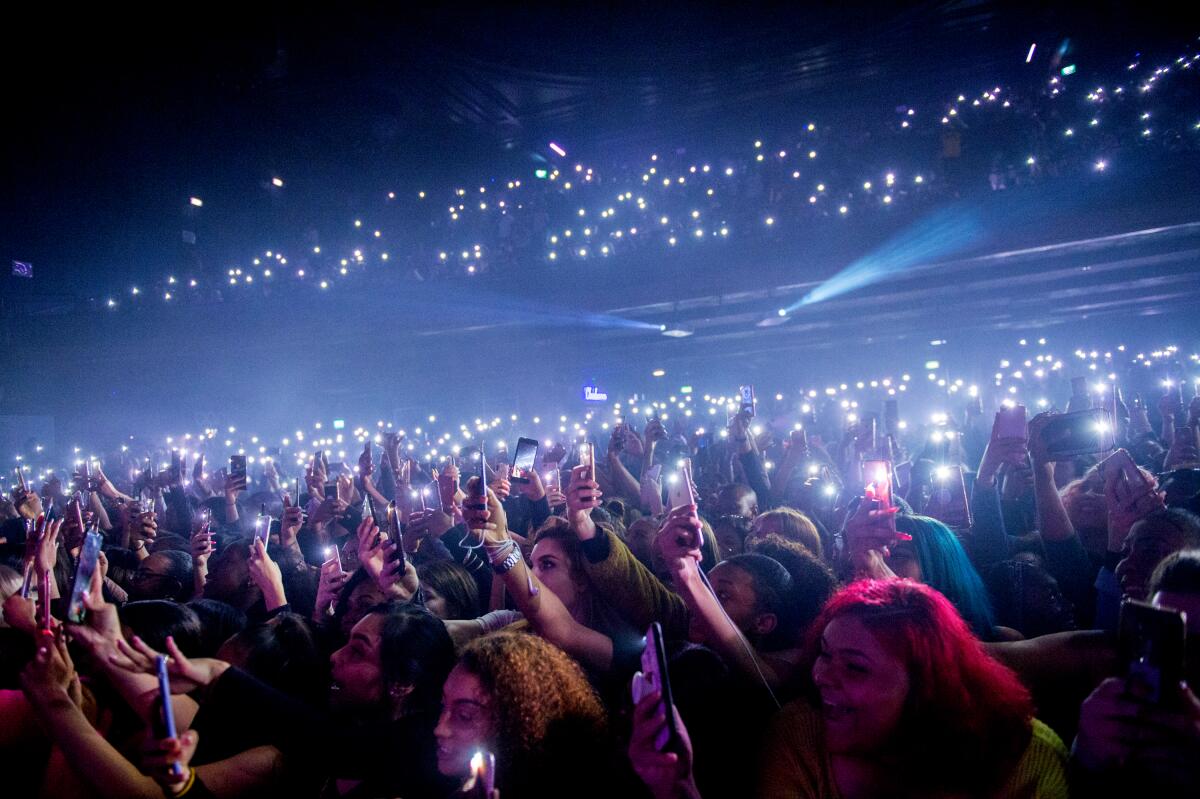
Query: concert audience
point(419, 630)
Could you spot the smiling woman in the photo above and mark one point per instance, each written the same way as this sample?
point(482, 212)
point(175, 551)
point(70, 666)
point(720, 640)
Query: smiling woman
point(903, 701)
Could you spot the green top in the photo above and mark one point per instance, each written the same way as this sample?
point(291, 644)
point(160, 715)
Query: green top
point(797, 766)
point(629, 588)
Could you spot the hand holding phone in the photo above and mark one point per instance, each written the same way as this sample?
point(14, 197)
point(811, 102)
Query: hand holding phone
point(1152, 642)
point(1010, 423)
point(877, 474)
point(654, 678)
point(523, 460)
point(746, 403)
point(89, 555)
point(587, 459)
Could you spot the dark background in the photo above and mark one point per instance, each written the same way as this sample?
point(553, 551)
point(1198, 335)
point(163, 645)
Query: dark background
point(116, 117)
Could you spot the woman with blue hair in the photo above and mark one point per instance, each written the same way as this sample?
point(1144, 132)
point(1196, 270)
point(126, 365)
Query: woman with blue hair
point(884, 544)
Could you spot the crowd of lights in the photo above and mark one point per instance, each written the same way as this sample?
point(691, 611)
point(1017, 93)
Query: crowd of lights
point(1035, 374)
point(681, 204)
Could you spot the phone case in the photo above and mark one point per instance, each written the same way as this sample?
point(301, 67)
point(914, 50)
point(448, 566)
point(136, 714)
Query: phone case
point(88, 557)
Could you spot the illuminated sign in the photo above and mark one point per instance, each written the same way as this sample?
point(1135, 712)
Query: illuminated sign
point(593, 394)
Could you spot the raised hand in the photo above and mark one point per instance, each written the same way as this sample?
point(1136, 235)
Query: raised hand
point(332, 579)
point(290, 523)
point(47, 550)
point(679, 537)
point(534, 490)
point(266, 575)
point(27, 503)
point(430, 523)
point(165, 760)
point(1128, 501)
point(582, 495)
point(371, 554)
point(869, 534)
point(668, 775)
point(187, 674)
point(51, 673)
point(366, 464)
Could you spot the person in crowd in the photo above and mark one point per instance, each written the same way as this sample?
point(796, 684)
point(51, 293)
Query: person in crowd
point(1139, 734)
point(903, 701)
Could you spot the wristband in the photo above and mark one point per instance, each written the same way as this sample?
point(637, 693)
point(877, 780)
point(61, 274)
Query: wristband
point(191, 783)
point(508, 563)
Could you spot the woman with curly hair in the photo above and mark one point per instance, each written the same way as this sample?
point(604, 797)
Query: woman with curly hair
point(529, 703)
point(903, 701)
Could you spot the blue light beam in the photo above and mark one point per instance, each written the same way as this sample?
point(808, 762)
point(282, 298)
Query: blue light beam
point(944, 233)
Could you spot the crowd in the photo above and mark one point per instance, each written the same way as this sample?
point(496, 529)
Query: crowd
point(1007, 608)
point(1077, 125)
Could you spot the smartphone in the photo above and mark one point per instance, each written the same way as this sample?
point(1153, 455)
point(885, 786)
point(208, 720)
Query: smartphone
point(369, 508)
point(878, 475)
point(331, 491)
point(447, 489)
point(262, 525)
point(1120, 461)
point(679, 492)
point(165, 726)
point(332, 554)
point(746, 405)
point(31, 543)
point(237, 466)
point(654, 677)
point(89, 555)
point(176, 465)
point(554, 479)
point(86, 471)
point(1010, 423)
point(394, 533)
point(299, 483)
point(948, 502)
point(482, 485)
point(587, 459)
point(21, 479)
point(483, 775)
point(1152, 641)
point(421, 497)
point(523, 460)
point(1084, 432)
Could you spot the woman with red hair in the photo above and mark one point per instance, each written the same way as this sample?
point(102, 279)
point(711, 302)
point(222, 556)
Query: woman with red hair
point(903, 701)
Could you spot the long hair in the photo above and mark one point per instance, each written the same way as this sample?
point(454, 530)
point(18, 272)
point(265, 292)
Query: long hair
point(946, 567)
point(967, 718)
point(416, 650)
point(454, 584)
point(545, 708)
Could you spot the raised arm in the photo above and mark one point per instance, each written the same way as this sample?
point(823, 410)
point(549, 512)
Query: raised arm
point(544, 611)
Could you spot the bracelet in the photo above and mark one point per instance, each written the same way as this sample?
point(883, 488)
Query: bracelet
point(508, 563)
point(191, 783)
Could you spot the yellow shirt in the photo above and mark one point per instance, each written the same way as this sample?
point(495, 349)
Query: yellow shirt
point(796, 764)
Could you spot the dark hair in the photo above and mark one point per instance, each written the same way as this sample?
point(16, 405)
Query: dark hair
point(219, 621)
point(772, 594)
point(812, 580)
point(1183, 522)
point(454, 584)
point(179, 569)
point(283, 652)
point(342, 605)
point(153, 620)
point(1178, 573)
point(416, 650)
